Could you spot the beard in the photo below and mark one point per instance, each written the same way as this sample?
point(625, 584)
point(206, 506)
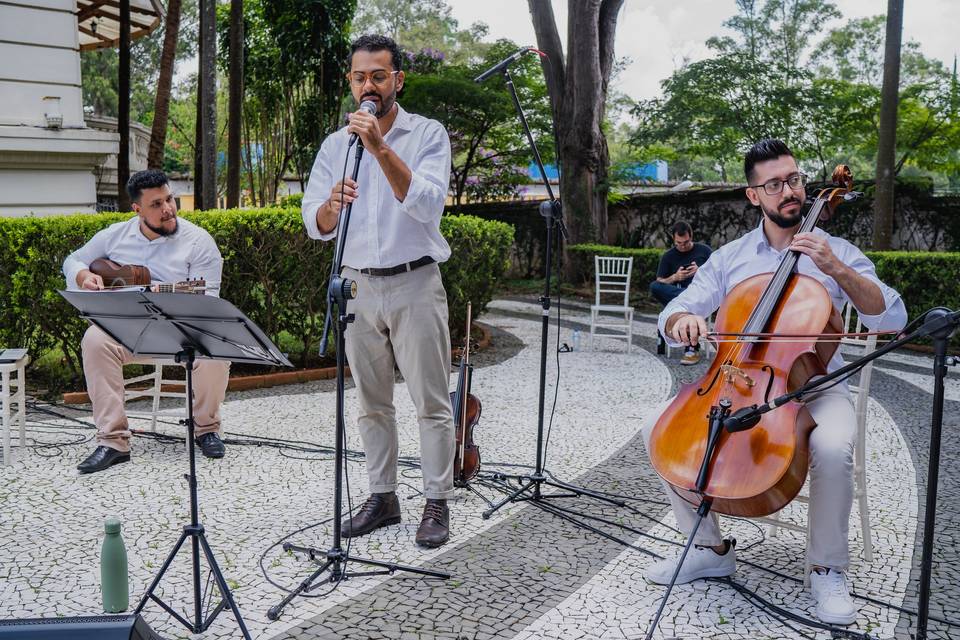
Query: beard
point(785, 220)
point(161, 230)
point(384, 103)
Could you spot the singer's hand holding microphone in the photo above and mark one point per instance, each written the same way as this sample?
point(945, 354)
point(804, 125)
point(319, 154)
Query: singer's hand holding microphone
point(363, 122)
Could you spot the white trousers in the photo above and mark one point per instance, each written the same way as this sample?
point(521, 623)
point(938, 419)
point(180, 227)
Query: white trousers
point(831, 481)
point(401, 321)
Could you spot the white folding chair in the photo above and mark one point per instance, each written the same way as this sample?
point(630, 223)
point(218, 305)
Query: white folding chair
point(13, 397)
point(133, 388)
point(861, 391)
point(612, 284)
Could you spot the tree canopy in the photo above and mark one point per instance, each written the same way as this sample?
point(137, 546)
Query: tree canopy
point(779, 76)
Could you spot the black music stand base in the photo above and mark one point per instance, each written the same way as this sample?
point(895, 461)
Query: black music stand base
point(195, 532)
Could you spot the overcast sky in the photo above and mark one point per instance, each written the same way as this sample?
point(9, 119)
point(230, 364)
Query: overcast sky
point(658, 34)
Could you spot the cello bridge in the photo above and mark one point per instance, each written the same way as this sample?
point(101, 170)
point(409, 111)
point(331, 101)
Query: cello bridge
point(731, 373)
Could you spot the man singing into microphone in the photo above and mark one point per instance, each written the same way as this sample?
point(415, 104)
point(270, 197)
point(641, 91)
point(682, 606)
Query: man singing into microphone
point(392, 251)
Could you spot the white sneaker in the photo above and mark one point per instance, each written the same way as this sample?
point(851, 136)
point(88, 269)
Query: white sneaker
point(699, 563)
point(834, 605)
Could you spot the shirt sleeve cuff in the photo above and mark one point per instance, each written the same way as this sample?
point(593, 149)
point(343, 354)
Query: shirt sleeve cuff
point(414, 204)
point(309, 213)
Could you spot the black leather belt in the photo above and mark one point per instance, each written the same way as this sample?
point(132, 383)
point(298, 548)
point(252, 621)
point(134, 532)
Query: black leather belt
point(400, 268)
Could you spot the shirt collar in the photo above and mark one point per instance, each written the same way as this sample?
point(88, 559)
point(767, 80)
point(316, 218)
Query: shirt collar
point(137, 232)
point(403, 121)
point(761, 241)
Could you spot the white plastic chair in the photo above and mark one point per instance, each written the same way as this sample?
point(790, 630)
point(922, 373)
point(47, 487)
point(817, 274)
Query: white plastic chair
point(13, 396)
point(861, 391)
point(155, 391)
point(612, 283)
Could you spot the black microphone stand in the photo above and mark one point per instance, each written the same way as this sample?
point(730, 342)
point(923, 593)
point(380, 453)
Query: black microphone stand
point(939, 324)
point(531, 483)
point(340, 290)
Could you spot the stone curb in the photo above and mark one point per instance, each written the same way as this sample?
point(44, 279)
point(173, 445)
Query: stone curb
point(246, 383)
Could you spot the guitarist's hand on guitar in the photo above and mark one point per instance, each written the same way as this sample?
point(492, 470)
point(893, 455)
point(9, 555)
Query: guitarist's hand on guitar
point(87, 279)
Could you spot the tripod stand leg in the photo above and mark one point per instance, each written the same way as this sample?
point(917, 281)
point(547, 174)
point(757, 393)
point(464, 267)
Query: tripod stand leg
point(580, 491)
point(163, 570)
point(702, 512)
point(274, 612)
point(513, 496)
point(224, 589)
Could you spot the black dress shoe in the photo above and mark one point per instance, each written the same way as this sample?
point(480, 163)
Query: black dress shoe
point(211, 445)
point(380, 510)
point(434, 529)
point(101, 458)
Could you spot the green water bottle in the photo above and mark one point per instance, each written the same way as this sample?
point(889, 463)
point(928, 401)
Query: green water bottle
point(113, 569)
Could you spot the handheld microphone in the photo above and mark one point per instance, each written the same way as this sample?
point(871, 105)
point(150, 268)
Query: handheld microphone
point(503, 64)
point(370, 107)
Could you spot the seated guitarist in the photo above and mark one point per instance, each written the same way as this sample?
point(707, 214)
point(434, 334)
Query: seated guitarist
point(173, 250)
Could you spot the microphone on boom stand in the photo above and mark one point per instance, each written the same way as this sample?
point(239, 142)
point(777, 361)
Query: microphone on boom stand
point(503, 64)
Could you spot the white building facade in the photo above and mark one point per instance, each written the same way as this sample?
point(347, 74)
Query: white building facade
point(48, 155)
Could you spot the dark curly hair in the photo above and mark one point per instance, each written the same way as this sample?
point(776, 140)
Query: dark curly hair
point(147, 179)
point(373, 42)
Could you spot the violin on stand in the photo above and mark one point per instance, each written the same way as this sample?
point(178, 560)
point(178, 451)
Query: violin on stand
point(466, 415)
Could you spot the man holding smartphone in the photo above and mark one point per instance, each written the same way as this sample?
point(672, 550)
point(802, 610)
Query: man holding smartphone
point(677, 268)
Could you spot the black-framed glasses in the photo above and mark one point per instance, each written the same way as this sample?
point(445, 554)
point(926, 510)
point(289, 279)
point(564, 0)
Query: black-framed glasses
point(378, 78)
point(775, 186)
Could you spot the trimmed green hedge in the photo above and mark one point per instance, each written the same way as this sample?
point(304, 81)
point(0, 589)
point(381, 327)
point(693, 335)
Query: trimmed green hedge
point(924, 279)
point(272, 272)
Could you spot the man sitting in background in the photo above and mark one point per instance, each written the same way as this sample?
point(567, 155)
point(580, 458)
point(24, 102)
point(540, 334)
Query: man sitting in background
point(677, 268)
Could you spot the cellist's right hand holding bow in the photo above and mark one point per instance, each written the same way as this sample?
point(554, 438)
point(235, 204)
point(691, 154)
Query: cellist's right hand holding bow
point(688, 328)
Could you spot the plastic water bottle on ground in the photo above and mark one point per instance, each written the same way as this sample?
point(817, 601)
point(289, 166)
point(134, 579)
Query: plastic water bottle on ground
point(575, 340)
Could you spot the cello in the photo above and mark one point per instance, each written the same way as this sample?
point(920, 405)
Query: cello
point(466, 415)
point(758, 471)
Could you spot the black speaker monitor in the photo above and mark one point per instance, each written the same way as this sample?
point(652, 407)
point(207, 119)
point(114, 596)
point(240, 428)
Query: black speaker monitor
point(127, 627)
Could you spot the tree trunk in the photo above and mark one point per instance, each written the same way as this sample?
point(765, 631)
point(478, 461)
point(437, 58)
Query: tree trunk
point(123, 111)
point(235, 115)
point(887, 142)
point(208, 100)
point(161, 105)
point(198, 146)
point(578, 93)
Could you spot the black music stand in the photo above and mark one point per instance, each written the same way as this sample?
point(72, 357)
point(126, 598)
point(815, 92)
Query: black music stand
point(184, 327)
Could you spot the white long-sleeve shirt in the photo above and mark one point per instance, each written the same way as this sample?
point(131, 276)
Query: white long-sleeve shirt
point(751, 254)
point(189, 254)
point(385, 232)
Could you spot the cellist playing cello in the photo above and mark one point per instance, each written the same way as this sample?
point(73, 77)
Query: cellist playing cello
point(776, 185)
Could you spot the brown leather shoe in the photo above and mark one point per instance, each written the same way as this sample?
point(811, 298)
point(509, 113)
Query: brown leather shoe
point(434, 529)
point(380, 510)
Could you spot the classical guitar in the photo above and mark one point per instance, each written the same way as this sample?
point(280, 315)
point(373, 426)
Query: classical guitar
point(132, 275)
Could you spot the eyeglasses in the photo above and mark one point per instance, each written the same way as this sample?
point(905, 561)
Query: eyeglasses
point(775, 186)
point(378, 78)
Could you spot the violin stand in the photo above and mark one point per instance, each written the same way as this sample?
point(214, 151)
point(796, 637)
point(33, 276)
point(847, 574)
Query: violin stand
point(531, 483)
point(335, 559)
point(162, 325)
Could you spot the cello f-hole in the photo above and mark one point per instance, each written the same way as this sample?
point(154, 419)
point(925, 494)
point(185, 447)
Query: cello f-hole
point(701, 391)
point(771, 375)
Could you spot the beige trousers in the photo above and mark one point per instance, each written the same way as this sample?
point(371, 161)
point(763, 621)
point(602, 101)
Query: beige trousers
point(103, 360)
point(401, 321)
point(831, 481)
